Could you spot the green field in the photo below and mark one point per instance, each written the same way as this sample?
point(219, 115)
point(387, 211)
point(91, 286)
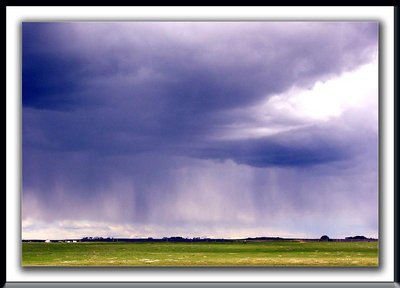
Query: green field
point(275, 253)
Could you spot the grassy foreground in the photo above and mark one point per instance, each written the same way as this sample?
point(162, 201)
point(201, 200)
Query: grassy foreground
point(201, 254)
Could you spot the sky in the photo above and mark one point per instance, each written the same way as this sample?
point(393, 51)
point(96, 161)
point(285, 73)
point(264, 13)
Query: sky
point(199, 129)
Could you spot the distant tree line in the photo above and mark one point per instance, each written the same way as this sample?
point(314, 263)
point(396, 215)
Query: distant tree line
point(198, 239)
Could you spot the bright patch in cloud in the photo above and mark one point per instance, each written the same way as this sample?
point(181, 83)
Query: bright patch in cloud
point(326, 100)
point(299, 108)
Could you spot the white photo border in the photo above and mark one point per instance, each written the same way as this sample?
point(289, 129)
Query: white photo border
point(14, 17)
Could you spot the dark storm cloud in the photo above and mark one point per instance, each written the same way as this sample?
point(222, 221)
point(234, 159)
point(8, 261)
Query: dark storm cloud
point(135, 86)
point(296, 148)
point(232, 66)
point(120, 119)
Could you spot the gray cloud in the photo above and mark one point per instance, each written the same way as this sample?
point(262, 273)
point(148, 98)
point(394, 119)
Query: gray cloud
point(120, 119)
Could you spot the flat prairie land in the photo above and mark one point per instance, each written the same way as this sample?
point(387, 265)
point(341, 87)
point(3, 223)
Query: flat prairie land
point(268, 253)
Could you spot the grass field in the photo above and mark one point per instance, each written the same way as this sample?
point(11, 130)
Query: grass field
point(285, 253)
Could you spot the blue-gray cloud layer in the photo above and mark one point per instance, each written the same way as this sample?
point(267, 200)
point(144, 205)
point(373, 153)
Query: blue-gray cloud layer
point(127, 116)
